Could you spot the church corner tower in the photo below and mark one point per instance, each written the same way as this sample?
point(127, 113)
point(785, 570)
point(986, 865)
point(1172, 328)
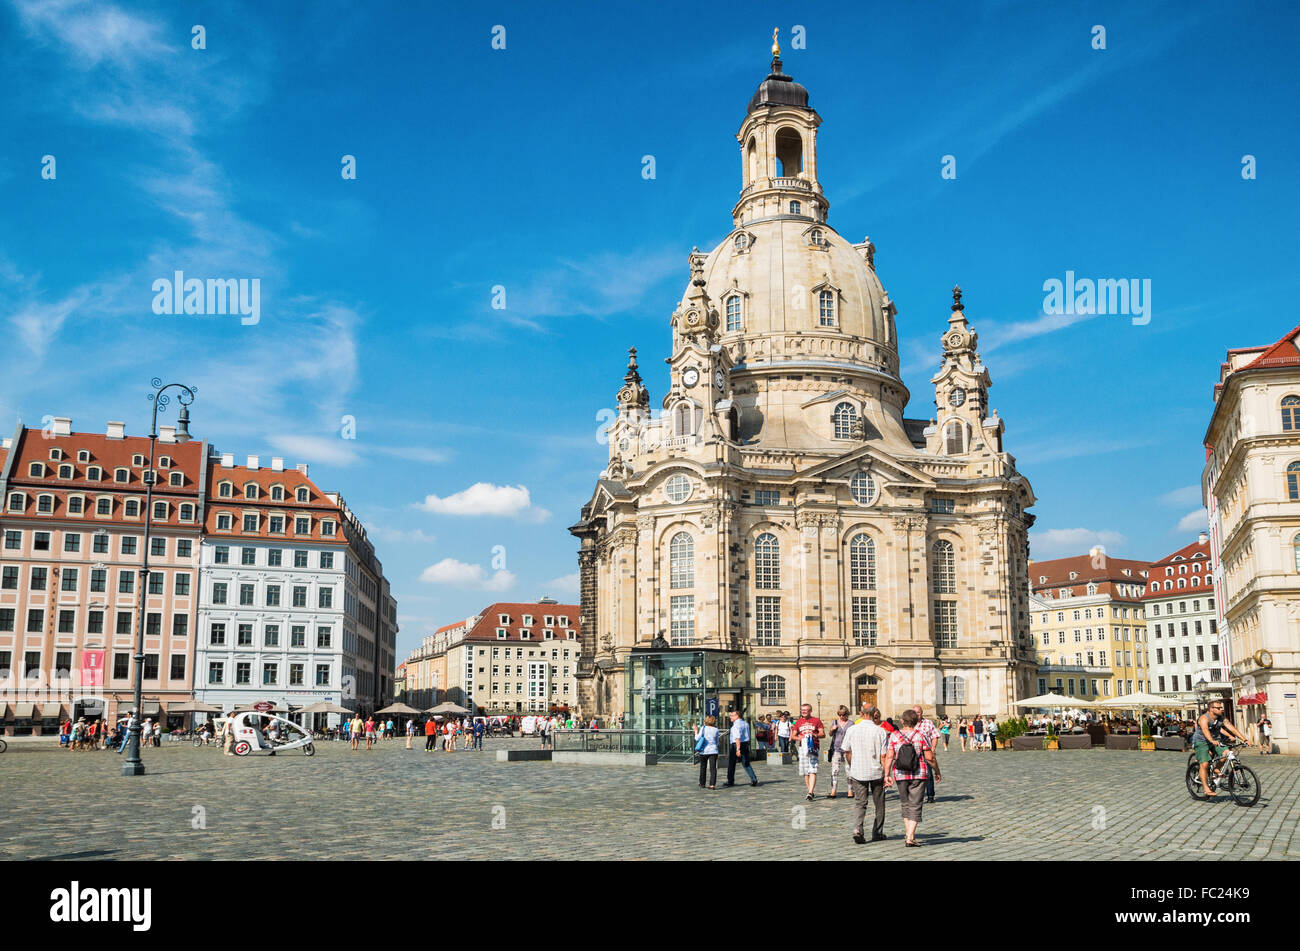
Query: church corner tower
point(777, 529)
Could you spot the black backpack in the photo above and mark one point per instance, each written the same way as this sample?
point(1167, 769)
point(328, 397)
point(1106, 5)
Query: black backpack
point(907, 760)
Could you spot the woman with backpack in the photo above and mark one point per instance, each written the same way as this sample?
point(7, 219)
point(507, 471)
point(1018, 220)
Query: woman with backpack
point(706, 744)
point(908, 762)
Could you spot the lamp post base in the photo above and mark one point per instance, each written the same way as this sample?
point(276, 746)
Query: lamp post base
point(132, 769)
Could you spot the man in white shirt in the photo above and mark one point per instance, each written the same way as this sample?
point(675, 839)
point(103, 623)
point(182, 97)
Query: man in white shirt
point(864, 747)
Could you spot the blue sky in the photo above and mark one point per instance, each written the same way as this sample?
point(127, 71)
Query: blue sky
point(522, 168)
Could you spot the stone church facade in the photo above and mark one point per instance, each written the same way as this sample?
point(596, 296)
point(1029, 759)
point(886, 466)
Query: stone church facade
point(778, 502)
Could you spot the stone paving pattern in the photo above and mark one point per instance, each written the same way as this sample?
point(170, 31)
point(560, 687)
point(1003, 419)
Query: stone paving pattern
point(391, 803)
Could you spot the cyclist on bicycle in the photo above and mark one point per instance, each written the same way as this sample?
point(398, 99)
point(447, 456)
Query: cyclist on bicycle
point(1207, 740)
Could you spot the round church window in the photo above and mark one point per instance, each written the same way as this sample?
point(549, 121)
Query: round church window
point(863, 488)
point(678, 488)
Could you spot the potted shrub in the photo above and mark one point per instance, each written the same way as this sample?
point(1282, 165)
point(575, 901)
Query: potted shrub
point(1147, 742)
point(1051, 742)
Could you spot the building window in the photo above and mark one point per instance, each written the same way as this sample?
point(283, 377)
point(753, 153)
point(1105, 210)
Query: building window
point(733, 312)
point(954, 438)
point(772, 690)
point(943, 573)
point(825, 307)
point(862, 562)
point(844, 417)
point(767, 561)
point(1292, 483)
point(1290, 413)
point(767, 621)
point(216, 672)
point(954, 689)
point(795, 208)
point(681, 561)
point(683, 620)
point(302, 494)
point(864, 622)
point(300, 559)
point(945, 623)
point(1295, 551)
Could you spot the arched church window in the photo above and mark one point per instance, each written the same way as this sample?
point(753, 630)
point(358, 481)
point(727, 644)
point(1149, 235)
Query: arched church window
point(753, 160)
point(1290, 413)
point(681, 561)
point(844, 416)
point(1293, 482)
point(789, 153)
point(954, 438)
point(767, 561)
point(796, 208)
point(826, 308)
point(686, 418)
point(862, 562)
point(772, 690)
point(942, 568)
point(733, 312)
point(954, 689)
point(1295, 551)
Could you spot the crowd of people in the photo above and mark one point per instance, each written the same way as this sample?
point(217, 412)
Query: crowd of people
point(98, 734)
point(875, 753)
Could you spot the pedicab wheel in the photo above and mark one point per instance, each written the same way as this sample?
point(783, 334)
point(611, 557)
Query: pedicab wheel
point(3, 746)
point(1194, 781)
point(1243, 786)
point(198, 741)
point(242, 748)
point(310, 749)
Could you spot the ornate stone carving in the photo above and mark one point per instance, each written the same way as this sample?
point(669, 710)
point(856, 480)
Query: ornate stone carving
point(645, 523)
point(710, 514)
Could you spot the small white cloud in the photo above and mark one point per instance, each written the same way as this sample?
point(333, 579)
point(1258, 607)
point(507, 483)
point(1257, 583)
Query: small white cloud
point(385, 534)
point(484, 498)
point(1187, 495)
point(452, 572)
point(1063, 542)
point(1196, 521)
point(316, 449)
point(566, 584)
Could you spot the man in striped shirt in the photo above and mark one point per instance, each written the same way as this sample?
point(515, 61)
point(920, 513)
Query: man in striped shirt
point(931, 734)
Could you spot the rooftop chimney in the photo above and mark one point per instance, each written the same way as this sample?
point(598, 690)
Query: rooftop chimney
point(116, 429)
point(227, 460)
point(7, 443)
point(302, 467)
point(62, 426)
point(1202, 538)
point(277, 464)
point(166, 433)
point(253, 462)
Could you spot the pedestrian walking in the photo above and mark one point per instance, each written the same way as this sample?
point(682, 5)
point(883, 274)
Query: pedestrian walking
point(908, 762)
point(962, 729)
point(1265, 733)
point(783, 732)
point(430, 735)
point(410, 732)
point(228, 735)
point(944, 730)
point(808, 732)
point(927, 730)
point(355, 728)
point(838, 729)
point(864, 749)
point(738, 749)
point(977, 731)
point(706, 745)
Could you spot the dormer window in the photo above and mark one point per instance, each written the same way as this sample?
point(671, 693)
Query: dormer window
point(742, 242)
point(137, 460)
point(226, 490)
point(844, 418)
point(817, 238)
point(45, 504)
point(94, 473)
point(826, 308)
point(277, 493)
point(526, 635)
point(121, 475)
point(131, 509)
point(186, 512)
point(83, 455)
point(735, 313)
point(56, 454)
point(250, 490)
point(501, 633)
point(164, 462)
point(303, 495)
point(176, 479)
point(65, 472)
point(36, 470)
point(528, 620)
point(1073, 575)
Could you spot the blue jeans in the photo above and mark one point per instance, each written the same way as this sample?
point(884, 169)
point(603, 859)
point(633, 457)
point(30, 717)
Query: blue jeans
point(743, 758)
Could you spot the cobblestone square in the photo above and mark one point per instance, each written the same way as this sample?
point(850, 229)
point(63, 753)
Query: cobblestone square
point(391, 803)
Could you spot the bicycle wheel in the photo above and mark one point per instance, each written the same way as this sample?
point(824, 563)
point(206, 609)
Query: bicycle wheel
point(310, 749)
point(198, 741)
point(1243, 785)
point(1194, 788)
point(3, 746)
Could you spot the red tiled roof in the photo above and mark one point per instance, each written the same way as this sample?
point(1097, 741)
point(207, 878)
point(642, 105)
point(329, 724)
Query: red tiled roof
point(1281, 354)
point(1101, 571)
point(110, 455)
point(490, 621)
point(1197, 558)
point(290, 480)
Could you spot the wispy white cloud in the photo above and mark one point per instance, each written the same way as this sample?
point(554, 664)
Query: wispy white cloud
point(1064, 542)
point(385, 533)
point(484, 498)
point(449, 571)
point(565, 584)
point(1195, 521)
point(1187, 495)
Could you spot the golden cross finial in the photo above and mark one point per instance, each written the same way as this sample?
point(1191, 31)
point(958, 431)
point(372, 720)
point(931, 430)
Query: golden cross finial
point(776, 45)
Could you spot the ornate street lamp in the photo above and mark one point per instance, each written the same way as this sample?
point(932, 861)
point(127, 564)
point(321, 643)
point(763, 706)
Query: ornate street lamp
point(185, 394)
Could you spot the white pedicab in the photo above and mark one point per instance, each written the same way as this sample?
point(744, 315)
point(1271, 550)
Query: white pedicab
point(261, 731)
